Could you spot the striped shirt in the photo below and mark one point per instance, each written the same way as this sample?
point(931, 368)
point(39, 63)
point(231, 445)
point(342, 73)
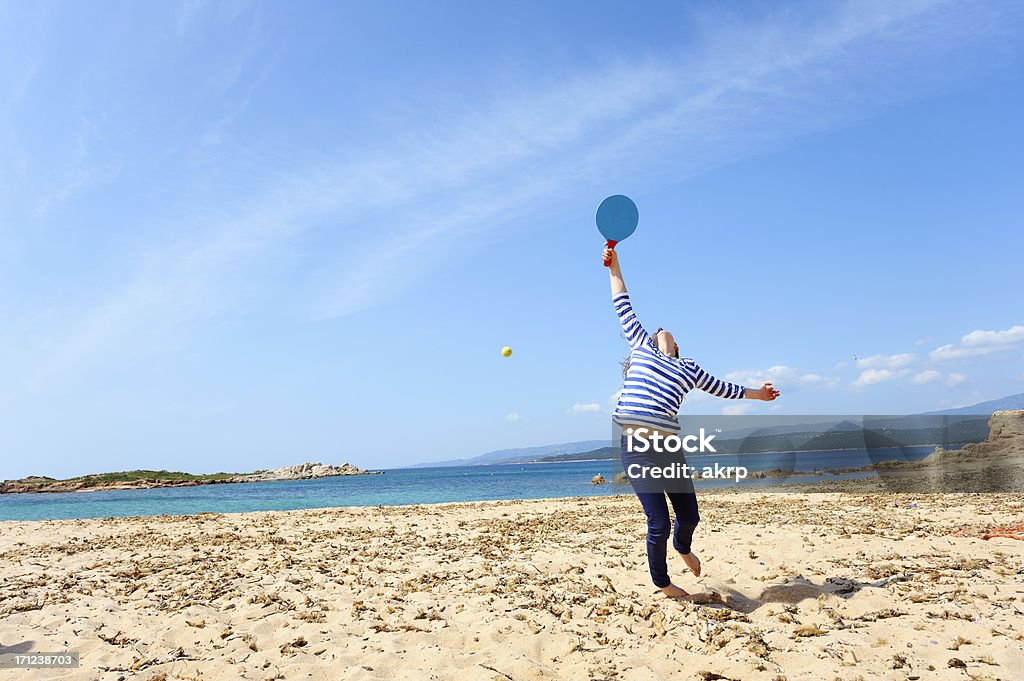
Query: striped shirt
point(655, 383)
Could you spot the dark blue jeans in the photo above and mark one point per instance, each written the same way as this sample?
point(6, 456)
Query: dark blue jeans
point(653, 499)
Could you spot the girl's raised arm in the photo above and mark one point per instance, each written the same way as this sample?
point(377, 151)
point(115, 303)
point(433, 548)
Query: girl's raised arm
point(614, 273)
point(631, 326)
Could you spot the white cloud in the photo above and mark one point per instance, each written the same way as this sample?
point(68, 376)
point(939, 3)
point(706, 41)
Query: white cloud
point(891, 362)
point(784, 377)
point(979, 342)
point(777, 373)
point(926, 376)
point(1012, 336)
point(876, 376)
point(955, 378)
point(585, 408)
point(514, 417)
point(738, 409)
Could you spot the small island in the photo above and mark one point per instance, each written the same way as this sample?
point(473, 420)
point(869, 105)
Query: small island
point(146, 479)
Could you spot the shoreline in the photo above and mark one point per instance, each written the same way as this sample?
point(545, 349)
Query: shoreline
point(855, 486)
point(889, 476)
point(995, 465)
point(429, 505)
point(55, 486)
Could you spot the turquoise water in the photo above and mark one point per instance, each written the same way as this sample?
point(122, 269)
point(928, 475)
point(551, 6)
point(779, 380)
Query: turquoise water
point(417, 486)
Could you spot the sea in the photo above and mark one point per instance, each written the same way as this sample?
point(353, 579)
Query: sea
point(406, 486)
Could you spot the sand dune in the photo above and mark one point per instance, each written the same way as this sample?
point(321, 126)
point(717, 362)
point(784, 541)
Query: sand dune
point(815, 586)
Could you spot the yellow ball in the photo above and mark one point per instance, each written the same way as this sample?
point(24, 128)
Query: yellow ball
point(506, 351)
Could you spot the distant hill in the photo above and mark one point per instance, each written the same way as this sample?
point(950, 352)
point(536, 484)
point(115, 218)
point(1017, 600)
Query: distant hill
point(824, 434)
point(986, 408)
point(521, 455)
point(601, 453)
point(907, 431)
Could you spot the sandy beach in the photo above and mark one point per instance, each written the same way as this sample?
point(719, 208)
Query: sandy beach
point(815, 586)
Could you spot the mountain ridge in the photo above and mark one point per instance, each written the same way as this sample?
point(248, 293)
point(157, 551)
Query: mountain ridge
point(565, 451)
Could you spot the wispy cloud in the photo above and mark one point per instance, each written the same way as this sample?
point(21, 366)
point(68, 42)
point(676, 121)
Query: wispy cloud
point(927, 376)
point(980, 342)
point(513, 417)
point(884, 368)
point(899, 361)
point(782, 376)
point(955, 378)
point(511, 156)
point(81, 172)
point(876, 376)
point(188, 12)
point(772, 374)
point(585, 408)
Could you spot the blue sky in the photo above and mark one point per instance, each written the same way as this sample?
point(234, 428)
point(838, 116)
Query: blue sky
point(242, 235)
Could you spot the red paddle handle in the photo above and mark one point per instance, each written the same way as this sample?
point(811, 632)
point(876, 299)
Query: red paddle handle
point(609, 244)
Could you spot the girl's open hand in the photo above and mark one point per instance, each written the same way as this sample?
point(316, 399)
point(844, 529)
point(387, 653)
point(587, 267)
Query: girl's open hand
point(768, 393)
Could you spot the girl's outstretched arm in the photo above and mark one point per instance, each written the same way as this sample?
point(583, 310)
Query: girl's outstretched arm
point(731, 391)
point(615, 274)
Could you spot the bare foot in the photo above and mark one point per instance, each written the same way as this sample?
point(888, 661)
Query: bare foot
point(673, 591)
point(692, 562)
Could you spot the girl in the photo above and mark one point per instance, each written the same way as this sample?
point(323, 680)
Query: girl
point(655, 381)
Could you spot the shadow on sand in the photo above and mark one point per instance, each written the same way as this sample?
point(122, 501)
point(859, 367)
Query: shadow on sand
point(23, 647)
point(796, 590)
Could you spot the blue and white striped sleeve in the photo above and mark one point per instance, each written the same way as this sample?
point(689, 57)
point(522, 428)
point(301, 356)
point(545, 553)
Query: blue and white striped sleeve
point(716, 386)
point(635, 334)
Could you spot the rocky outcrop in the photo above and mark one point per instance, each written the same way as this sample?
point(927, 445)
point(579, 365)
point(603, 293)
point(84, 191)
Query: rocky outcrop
point(1006, 426)
point(87, 483)
point(303, 471)
point(33, 483)
point(598, 480)
point(1005, 438)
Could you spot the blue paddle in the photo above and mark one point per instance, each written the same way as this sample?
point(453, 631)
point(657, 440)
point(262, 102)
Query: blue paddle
point(616, 219)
